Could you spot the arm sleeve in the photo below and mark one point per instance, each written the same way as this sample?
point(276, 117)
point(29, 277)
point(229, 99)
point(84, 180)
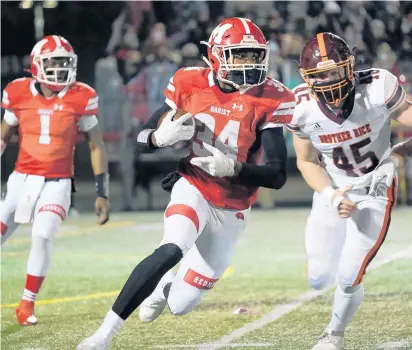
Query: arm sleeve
point(144, 136)
point(274, 173)
point(10, 118)
point(86, 123)
point(395, 95)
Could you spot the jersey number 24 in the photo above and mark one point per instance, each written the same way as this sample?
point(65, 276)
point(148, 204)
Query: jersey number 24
point(226, 141)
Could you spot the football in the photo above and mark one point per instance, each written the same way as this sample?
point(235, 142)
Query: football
point(179, 113)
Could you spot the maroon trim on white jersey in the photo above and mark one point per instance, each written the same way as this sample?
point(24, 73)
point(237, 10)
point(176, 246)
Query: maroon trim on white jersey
point(396, 99)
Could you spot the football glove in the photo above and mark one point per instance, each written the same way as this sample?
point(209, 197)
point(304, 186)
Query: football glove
point(218, 164)
point(171, 131)
point(382, 177)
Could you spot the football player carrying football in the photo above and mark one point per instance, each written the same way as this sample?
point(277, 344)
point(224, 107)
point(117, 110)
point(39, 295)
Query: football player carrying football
point(344, 116)
point(49, 110)
point(238, 112)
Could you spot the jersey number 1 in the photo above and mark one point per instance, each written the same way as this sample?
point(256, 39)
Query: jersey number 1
point(44, 138)
point(342, 162)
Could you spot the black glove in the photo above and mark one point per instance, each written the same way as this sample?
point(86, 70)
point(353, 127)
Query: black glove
point(169, 181)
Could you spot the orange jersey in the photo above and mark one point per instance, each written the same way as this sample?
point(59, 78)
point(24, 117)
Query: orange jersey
point(230, 122)
point(48, 128)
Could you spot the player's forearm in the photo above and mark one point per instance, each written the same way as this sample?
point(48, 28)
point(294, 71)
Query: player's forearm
point(404, 114)
point(269, 175)
point(100, 167)
point(7, 132)
point(99, 160)
point(401, 151)
point(274, 173)
point(145, 137)
point(314, 175)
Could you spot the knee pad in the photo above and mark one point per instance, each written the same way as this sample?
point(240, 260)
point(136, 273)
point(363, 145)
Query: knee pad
point(46, 224)
point(321, 282)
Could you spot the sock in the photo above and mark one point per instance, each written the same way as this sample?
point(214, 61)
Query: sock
point(345, 306)
point(33, 284)
point(145, 277)
point(37, 266)
point(111, 325)
point(7, 230)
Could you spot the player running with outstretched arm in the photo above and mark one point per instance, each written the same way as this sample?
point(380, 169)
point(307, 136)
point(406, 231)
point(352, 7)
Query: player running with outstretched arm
point(345, 117)
point(238, 112)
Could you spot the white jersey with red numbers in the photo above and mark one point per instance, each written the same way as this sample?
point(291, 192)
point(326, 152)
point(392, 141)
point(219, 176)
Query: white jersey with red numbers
point(230, 122)
point(351, 148)
point(48, 127)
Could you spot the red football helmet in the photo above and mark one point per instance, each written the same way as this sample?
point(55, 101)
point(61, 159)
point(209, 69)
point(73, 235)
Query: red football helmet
point(233, 38)
point(53, 62)
point(326, 65)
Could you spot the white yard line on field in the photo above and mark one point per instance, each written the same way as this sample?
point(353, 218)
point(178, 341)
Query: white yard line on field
point(283, 309)
point(234, 345)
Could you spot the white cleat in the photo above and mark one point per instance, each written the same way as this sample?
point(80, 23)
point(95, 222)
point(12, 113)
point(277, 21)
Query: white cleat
point(95, 343)
point(153, 306)
point(329, 342)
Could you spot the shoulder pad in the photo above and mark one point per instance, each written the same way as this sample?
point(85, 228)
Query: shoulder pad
point(376, 85)
point(83, 98)
point(15, 91)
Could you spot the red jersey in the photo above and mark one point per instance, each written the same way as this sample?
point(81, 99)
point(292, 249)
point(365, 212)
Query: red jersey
point(48, 128)
point(230, 122)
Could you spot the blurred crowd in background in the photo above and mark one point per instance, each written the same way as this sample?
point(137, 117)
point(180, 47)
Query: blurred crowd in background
point(129, 50)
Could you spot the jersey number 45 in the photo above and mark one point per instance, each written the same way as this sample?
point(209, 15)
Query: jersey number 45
point(342, 162)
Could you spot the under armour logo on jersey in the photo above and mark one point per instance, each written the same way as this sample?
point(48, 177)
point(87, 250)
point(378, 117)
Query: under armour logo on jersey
point(240, 216)
point(58, 107)
point(235, 105)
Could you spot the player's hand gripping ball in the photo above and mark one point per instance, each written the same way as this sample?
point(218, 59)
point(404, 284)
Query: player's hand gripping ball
point(174, 126)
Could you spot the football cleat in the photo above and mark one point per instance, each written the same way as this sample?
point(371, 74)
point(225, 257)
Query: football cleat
point(25, 313)
point(95, 343)
point(327, 341)
point(153, 306)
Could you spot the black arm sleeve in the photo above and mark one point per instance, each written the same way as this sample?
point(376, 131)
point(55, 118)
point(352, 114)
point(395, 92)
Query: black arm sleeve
point(274, 173)
point(145, 136)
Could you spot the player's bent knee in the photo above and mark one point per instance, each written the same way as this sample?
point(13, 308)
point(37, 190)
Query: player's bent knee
point(183, 304)
point(181, 310)
point(169, 254)
point(46, 224)
point(185, 295)
point(320, 282)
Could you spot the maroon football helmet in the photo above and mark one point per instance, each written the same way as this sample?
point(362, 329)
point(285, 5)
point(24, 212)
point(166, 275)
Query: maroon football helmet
point(326, 65)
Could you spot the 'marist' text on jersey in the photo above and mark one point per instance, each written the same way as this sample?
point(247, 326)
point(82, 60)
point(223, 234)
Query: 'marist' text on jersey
point(220, 110)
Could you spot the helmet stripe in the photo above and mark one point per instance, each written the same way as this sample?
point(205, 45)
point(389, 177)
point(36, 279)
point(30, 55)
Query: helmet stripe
point(322, 47)
point(245, 24)
point(57, 40)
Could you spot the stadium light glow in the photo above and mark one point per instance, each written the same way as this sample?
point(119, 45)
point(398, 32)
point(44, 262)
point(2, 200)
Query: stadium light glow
point(26, 4)
point(50, 4)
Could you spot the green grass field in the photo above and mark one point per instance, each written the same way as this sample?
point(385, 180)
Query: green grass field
point(90, 265)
